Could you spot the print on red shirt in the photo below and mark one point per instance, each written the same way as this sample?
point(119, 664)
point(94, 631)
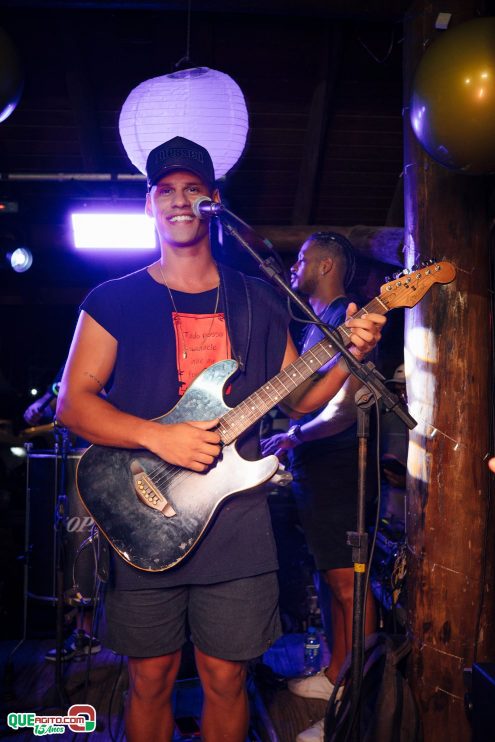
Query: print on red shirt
point(200, 340)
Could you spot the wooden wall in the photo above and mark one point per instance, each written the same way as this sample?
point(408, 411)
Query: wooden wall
point(448, 345)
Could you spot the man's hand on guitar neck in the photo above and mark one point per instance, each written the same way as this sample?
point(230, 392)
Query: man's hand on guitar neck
point(364, 332)
point(192, 445)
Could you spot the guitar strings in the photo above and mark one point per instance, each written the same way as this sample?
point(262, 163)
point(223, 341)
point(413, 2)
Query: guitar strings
point(164, 473)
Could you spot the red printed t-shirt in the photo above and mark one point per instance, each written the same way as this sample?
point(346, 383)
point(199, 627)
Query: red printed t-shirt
point(200, 341)
point(137, 311)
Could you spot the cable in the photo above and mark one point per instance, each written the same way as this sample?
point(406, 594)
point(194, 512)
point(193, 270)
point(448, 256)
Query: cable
point(186, 59)
point(387, 53)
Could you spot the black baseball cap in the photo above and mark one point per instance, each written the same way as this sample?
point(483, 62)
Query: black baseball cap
point(179, 154)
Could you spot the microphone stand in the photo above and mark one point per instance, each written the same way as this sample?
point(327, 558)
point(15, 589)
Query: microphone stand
point(57, 695)
point(373, 380)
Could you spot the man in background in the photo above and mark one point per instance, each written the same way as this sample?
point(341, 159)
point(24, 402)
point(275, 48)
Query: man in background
point(323, 455)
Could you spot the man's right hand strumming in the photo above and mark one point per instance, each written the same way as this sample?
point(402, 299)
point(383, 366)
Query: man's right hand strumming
point(192, 445)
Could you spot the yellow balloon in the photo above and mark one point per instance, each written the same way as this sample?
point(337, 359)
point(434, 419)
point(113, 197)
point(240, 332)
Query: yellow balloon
point(452, 107)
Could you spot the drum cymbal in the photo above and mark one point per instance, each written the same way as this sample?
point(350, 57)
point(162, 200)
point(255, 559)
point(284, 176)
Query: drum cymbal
point(37, 430)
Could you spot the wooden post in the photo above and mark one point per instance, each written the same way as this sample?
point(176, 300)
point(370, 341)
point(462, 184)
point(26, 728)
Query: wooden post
point(448, 364)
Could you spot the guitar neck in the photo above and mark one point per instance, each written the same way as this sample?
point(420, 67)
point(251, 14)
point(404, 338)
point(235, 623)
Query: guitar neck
point(252, 409)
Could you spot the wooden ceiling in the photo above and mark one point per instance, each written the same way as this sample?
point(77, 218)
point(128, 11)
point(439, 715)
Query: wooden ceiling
point(323, 86)
point(323, 90)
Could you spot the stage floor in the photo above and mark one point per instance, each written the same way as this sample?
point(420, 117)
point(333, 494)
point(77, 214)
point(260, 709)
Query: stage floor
point(276, 714)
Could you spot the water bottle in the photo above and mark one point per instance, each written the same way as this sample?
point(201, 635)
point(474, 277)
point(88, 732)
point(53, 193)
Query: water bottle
point(311, 651)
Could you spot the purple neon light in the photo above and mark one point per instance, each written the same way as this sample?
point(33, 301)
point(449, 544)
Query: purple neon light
point(113, 231)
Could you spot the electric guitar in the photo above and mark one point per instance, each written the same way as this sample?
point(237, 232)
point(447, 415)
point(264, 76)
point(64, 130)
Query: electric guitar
point(154, 513)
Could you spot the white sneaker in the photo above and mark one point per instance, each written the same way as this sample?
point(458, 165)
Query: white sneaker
point(314, 686)
point(315, 733)
point(76, 645)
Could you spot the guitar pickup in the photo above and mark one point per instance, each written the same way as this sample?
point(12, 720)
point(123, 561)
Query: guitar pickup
point(148, 493)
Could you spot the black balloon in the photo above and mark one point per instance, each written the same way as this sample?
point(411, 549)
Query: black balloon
point(11, 76)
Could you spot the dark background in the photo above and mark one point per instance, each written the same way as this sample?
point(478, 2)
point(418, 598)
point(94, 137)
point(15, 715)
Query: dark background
point(80, 62)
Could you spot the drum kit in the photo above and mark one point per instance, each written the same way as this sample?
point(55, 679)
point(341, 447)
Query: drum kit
point(61, 547)
point(60, 535)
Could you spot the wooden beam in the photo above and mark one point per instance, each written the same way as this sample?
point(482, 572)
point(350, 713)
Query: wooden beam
point(376, 10)
point(384, 244)
point(81, 97)
point(314, 141)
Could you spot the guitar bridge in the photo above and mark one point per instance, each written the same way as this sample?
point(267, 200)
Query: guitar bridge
point(148, 493)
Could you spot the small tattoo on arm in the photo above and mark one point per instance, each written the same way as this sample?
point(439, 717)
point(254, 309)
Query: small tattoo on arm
point(91, 376)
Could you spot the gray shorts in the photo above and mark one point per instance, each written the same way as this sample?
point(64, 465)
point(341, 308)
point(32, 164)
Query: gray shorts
point(236, 620)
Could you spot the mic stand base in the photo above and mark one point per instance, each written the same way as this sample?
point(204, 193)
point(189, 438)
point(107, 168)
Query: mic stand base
point(358, 541)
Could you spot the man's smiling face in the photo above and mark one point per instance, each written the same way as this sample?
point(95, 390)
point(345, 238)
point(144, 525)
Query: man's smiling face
point(170, 202)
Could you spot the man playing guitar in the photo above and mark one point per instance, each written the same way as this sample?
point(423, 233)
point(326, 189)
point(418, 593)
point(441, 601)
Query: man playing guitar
point(145, 337)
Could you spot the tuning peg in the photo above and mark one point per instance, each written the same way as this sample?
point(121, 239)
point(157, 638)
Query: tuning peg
point(406, 271)
point(387, 279)
point(414, 267)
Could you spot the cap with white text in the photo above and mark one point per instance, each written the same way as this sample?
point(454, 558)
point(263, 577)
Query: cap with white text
point(179, 154)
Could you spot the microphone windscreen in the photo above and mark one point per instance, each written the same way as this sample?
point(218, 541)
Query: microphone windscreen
point(196, 206)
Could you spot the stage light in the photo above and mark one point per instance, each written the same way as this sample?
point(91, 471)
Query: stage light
point(20, 259)
point(9, 207)
point(104, 231)
point(18, 451)
point(33, 392)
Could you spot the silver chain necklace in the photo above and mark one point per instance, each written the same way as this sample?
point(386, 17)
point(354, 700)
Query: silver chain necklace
point(184, 352)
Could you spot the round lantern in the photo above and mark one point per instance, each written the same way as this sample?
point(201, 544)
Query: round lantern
point(200, 104)
point(453, 101)
point(11, 77)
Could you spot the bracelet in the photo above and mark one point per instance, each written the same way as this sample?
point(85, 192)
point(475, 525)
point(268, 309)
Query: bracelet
point(294, 434)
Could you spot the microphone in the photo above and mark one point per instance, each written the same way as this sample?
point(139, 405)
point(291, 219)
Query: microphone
point(204, 207)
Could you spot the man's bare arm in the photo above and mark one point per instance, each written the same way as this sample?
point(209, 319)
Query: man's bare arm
point(319, 389)
point(88, 368)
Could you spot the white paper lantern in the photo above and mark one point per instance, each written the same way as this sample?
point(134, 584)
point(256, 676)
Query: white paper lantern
point(200, 104)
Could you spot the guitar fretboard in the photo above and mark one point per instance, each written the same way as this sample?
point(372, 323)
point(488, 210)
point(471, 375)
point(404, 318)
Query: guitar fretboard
point(252, 409)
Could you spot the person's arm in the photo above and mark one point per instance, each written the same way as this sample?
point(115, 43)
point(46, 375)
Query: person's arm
point(44, 407)
point(80, 408)
point(320, 389)
point(338, 415)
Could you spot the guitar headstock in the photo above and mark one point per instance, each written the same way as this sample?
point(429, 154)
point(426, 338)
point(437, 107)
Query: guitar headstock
point(409, 286)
